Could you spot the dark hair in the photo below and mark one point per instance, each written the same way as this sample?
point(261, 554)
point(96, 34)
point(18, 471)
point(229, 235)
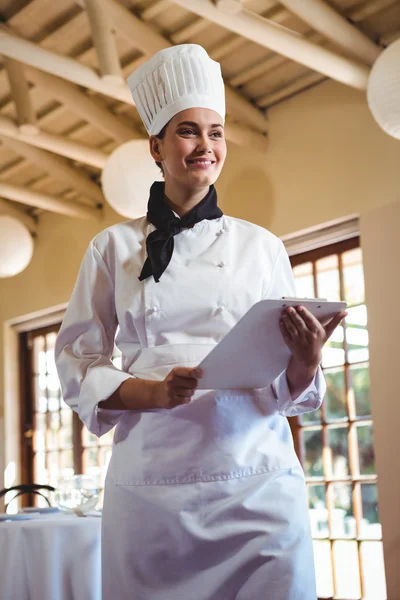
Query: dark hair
point(161, 136)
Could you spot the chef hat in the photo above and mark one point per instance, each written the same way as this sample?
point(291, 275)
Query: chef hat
point(173, 80)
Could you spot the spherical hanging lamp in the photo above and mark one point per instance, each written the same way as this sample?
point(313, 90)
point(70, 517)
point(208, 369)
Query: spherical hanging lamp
point(383, 91)
point(127, 177)
point(16, 248)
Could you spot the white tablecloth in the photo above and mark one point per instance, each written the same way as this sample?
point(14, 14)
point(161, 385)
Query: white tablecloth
point(53, 557)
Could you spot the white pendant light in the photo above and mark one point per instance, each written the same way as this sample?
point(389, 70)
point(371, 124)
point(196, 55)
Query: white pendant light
point(16, 247)
point(127, 177)
point(383, 92)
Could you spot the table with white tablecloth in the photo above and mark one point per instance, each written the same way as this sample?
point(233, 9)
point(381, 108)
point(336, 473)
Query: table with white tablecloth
point(51, 557)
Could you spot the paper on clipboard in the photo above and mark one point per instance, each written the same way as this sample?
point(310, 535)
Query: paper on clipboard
point(253, 353)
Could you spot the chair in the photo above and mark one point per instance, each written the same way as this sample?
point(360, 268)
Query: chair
point(27, 488)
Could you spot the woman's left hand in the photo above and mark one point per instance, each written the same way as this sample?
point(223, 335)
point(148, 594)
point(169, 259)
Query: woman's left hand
point(305, 336)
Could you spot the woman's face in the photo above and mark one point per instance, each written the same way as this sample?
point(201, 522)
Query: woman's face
point(193, 150)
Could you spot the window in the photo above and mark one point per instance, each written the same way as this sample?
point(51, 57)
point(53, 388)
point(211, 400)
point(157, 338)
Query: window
point(335, 443)
point(54, 441)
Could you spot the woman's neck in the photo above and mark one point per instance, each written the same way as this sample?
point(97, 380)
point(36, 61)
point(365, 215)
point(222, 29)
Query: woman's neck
point(181, 200)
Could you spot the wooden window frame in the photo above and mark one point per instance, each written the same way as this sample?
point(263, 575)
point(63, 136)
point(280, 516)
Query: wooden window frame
point(27, 410)
point(355, 478)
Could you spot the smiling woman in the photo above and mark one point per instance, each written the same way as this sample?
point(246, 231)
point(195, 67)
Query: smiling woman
point(204, 491)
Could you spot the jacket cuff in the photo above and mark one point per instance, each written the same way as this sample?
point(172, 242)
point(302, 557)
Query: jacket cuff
point(309, 400)
point(99, 384)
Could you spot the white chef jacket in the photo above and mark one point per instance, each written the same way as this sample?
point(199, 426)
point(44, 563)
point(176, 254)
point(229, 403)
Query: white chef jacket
point(108, 293)
point(219, 269)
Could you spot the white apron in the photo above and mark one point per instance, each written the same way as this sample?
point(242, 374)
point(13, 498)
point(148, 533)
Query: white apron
point(205, 501)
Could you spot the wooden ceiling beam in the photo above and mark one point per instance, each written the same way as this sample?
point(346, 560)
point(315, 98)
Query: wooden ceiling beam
point(57, 167)
point(71, 98)
point(60, 66)
point(13, 168)
point(80, 104)
point(301, 83)
point(278, 15)
point(261, 68)
point(49, 62)
point(57, 144)
point(154, 10)
point(26, 117)
point(234, 43)
point(371, 8)
point(104, 41)
point(185, 33)
point(335, 27)
point(46, 202)
point(223, 49)
point(284, 41)
point(143, 36)
point(267, 65)
point(140, 34)
point(65, 68)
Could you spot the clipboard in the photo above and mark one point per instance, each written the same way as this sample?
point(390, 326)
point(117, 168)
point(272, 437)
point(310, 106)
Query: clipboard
point(254, 353)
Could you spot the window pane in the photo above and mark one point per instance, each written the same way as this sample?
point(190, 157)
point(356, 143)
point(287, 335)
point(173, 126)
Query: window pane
point(345, 556)
point(333, 352)
point(373, 571)
point(359, 382)
point(53, 402)
point(314, 416)
point(343, 521)
point(370, 526)
point(39, 364)
point(337, 452)
point(66, 463)
point(318, 511)
point(357, 334)
point(90, 464)
point(41, 403)
point(53, 468)
point(88, 438)
point(323, 569)
point(332, 356)
point(66, 428)
point(52, 431)
point(304, 280)
point(313, 453)
point(52, 377)
point(40, 394)
point(39, 468)
point(335, 399)
point(353, 277)
point(39, 438)
point(366, 449)
point(358, 316)
point(328, 284)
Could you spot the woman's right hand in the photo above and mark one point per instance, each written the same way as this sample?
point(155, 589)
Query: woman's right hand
point(142, 394)
point(177, 388)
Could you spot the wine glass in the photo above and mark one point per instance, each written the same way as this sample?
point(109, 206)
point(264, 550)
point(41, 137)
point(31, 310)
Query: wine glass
point(77, 494)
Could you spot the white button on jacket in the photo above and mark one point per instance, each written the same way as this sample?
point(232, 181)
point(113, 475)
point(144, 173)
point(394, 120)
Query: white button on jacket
point(204, 473)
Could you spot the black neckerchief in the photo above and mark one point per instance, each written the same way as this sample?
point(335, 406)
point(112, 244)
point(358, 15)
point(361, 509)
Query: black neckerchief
point(160, 243)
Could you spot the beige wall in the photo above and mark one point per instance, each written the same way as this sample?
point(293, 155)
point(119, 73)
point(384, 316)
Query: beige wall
point(326, 159)
point(381, 249)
